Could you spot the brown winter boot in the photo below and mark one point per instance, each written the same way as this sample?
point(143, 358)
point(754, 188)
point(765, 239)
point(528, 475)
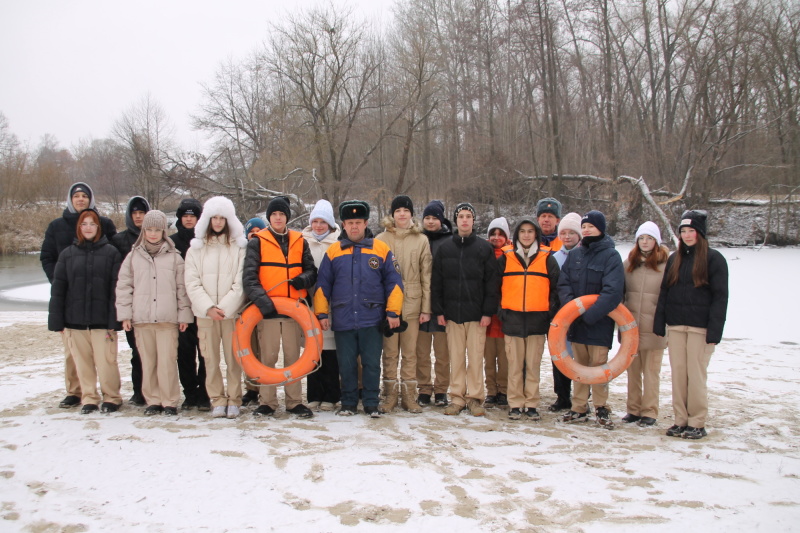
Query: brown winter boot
point(389, 400)
point(407, 394)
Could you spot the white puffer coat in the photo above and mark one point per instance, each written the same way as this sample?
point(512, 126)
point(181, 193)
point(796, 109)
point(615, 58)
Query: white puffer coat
point(151, 290)
point(318, 249)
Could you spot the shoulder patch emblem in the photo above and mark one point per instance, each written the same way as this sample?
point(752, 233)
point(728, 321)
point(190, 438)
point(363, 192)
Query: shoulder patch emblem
point(396, 264)
point(374, 264)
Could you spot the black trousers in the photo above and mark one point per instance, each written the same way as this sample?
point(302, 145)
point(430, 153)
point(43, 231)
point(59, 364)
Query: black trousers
point(323, 385)
point(136, 364)
point(191, 366)
point(562, 385)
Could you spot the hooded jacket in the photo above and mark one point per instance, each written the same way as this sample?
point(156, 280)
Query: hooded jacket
point(593, 269)
point(213, 271)
point(151, 290)
point(435, 240)
point(683, 304)
point(413, 253)
point(183, 237)
point(124, 240)
point(82, 294)
point(464, 285)
point(61, 232)
point(513, 264)
point(318, 249)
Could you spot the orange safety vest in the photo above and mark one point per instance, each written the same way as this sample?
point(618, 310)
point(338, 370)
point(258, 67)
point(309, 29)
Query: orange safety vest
point(526, 289)
point(275, 267)
point(555, 245)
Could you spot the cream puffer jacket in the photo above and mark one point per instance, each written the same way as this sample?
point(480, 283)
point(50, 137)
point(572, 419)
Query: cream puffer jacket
point(151, 290)
point(318, 249)
point(642, 287)
point(214, 277)
point(412, 251)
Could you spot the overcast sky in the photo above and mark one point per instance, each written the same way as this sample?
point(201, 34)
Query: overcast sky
point(71, 68)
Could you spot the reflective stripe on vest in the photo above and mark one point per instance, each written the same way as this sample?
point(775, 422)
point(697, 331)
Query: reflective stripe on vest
point(275, 268)
point(526, 290)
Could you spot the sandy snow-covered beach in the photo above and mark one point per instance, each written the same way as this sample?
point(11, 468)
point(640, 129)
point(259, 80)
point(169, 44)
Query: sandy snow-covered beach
point(62, 471)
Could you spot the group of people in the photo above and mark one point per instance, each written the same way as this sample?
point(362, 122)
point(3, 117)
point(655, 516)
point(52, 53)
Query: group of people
point(426, 312)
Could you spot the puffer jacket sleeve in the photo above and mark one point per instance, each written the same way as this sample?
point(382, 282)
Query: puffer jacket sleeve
point(437, 286)
point(392, 286)
point(491, 287)
point(425, 268)
point(251, 284)
point(565, 292)
point(611, 293)
point(116, 263)
point(201, 301)
point(232, 301)
point(309, 275)
point(125, 290)
point(58, 294)
point(185, 315)
point(660, 318)
point(718, 282)
point(49, 253)
point(322, 292)
point(553, 272)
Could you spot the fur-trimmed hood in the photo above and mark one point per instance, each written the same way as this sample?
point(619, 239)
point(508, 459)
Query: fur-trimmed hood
point(388, 224)
point(219, 205)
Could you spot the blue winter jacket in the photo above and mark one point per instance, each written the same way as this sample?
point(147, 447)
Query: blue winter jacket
point(593, 269)
point(359, 284)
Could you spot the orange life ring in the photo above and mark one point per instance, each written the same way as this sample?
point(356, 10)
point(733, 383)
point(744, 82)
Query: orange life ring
point(592, 375)
point(309, 360)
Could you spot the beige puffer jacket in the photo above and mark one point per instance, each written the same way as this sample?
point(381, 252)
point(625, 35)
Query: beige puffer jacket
point(412, 251)
point(642, 287)
point(151, 290)
point(214, 277)
point(318, 249)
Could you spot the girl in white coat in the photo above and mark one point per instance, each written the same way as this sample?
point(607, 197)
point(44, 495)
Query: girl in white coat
point(151, 296)
point(214, 284)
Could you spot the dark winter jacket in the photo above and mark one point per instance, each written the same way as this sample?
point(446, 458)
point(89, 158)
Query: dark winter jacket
point(593, 269)
point(183, 237)
point(359, 284)
point(436, 239)
point(526, 323)
point(251, 284)
point(124, 240)
point(62, 232)
point(683, 304)
point(464, 284)
point(83, 292)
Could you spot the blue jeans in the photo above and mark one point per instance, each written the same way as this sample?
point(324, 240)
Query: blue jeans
point(368, 343)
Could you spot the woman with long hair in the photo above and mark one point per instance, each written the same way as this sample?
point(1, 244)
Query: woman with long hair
point(644, 271)
point(82, 309)
point(214, 284)
point(693, 302)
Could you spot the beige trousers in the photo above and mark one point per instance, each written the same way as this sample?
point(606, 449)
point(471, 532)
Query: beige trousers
point(402, 349)
point(210, 333)
point(95, 355)
point(158, 348)
point(589, 356)
point(441, 365)
point(524, 353)
point(465, 343)
point(71, 380)
point(644, 379)
point(271, 333)
point(689, 356)
point(256, 347)
point(495, 365)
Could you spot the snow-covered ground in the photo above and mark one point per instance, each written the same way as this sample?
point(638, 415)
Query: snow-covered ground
point(62, 471)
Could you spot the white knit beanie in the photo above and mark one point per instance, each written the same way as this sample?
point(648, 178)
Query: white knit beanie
point(323, 210)
point(649, 228)
point(499, 223)
point(571, 221)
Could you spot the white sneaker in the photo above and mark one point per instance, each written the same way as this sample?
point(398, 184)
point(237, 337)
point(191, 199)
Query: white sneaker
point(327, 406)
point(219, 411)
point(233, 411)
point(314, 406)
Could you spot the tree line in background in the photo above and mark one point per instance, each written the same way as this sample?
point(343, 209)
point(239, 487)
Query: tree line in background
point(497, 101)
